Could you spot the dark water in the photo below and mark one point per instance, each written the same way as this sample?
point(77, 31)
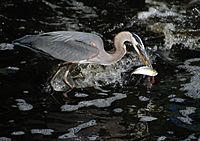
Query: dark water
point(169, 110)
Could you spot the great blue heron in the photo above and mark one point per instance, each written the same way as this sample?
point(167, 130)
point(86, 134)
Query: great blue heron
point(80, 47)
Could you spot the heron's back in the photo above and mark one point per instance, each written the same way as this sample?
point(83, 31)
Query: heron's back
point(64, 45)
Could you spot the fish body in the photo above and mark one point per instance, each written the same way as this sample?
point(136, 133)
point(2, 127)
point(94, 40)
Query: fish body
point(145, 70)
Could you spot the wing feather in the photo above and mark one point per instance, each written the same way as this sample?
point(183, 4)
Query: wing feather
point(64, 45)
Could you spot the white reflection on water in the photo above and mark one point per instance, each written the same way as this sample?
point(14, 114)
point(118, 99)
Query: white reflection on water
point(17, 133)
point(74, 130)
point(80, 95)
point(96, 102)
point(162, 138)
point(143, 98)
point(193, 87)
point(23, 105)
point(185, 115)
point(5, 139)
point(147, 118)
point(177, 100)
point(42, 131)
point(191, 138)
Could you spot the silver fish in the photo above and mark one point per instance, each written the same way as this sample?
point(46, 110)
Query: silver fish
point(145, 70)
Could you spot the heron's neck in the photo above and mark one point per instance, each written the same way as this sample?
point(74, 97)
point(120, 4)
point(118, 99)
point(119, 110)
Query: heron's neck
point(120, 47)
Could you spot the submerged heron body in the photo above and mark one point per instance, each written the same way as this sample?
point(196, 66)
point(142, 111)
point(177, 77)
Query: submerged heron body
point(79, 47)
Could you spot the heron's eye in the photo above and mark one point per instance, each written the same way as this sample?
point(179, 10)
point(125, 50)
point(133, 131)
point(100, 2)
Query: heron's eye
point(138, 46)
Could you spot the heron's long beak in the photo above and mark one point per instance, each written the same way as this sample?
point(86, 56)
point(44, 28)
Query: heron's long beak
point(142, 54)
point(144, 58)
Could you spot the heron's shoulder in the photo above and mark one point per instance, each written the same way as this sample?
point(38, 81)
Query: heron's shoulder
point(72, 34)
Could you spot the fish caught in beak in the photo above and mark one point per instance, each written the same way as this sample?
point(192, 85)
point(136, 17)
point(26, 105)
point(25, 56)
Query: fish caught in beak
point(147, 69)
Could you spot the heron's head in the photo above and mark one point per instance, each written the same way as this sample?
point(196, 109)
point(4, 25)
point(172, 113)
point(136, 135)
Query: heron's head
point(143, 56)
point(140, 50)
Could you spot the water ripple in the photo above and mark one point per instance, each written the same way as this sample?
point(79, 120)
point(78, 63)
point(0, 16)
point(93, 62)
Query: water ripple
point(101, 103)
point(193, 87)
point(74, 130)
point(42, 131)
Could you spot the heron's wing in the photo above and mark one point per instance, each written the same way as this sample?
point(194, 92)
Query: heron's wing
point(63, 45)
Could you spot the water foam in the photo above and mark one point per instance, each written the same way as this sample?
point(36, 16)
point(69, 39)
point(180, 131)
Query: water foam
point(98, 75)
point(95, 75)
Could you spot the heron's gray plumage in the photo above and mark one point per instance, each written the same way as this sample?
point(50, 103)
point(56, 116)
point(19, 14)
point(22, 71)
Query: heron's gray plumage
point(81, 47)
point(68, 46)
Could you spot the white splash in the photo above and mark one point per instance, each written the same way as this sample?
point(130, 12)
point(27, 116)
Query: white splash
point(158, 4)
point(96, 102)
point(157, 9)
point(180, 37)
point(74, 130)
point(42, 131)
point(174, 35)
point(153, 12)
point(94, 75)
point(163, 24)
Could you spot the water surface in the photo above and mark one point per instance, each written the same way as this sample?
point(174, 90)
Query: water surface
point(125, 109)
